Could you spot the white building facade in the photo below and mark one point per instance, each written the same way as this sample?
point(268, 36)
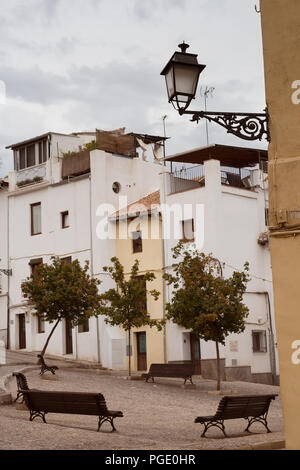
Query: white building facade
point(52, 206)
point(51, 216)
point(229, 211)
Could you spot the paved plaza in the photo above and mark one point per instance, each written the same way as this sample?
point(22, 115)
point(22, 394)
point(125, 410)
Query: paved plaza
point(156, 416)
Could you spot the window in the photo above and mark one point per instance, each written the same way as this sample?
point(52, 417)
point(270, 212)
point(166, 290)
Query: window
point(40, 324)
point(188, 230)
point(137, 243)
point(84, 326)
point(67, 259)
point(42, 151)
point(36, 221)
point(34, 263)
point(30, 155)
point(22, 158)
point(259, 341)
point(65, 219)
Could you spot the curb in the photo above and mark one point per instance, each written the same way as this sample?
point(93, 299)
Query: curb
point(68, 361)
point(275, 445)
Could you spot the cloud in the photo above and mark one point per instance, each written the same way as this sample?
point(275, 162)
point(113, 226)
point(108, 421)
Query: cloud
point(98, 63)
point(147, 9)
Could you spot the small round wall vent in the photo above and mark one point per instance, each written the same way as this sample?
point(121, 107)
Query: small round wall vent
point(116, 187)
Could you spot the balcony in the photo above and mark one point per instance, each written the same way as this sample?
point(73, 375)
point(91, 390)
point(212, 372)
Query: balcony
point(186, 179)
point(32, 175)
point(194, 177)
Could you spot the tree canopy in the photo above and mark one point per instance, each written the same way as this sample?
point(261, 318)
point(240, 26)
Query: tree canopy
point(125, 304)
point(63, 290)
point(203, 301)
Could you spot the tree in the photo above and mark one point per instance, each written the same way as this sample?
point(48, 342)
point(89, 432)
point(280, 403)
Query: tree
point(62, 291)
point(125, 305)
point(205, 302)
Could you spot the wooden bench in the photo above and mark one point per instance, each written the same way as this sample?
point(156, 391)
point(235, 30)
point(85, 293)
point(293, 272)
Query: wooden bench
point(40, 402)
point(45, 367)
point(253, 408)
point(184, 371)
point(21, 385)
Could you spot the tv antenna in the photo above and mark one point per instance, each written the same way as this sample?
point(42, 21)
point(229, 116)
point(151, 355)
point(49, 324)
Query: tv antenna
point(207, 92)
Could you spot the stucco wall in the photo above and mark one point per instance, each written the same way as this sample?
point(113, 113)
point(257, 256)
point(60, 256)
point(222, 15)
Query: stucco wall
point(281, 38)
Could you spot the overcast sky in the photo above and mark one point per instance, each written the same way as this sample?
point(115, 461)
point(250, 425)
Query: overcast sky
point(77, 65)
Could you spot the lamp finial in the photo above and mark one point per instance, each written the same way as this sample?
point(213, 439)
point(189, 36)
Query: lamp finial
point(183, 46)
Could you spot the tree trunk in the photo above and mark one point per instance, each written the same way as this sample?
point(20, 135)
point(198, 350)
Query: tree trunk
point(218, 367)
point(49, 337)
point(129, 352)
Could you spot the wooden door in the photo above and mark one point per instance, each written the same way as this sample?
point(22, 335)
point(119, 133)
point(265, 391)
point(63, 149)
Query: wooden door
point(195, 353)
point(69, 340)
point(141, 351)
point(22, 331)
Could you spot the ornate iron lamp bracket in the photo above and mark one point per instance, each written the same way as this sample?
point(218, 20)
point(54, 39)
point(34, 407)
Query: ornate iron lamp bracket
point(247, 126)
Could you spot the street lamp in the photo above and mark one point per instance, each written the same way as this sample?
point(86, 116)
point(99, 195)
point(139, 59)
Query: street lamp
point(182, 75)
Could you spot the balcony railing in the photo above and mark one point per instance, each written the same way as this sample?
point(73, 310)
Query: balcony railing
point(194, 177)
point(238, 178)
point(31, 175)
point(187, 178)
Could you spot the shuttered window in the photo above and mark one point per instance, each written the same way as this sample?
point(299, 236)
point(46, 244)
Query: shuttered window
point(137, 242)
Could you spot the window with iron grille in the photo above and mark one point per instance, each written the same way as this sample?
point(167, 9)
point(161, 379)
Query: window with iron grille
point(259, 341)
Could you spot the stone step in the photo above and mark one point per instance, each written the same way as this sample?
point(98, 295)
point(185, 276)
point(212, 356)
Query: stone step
point(5, 398)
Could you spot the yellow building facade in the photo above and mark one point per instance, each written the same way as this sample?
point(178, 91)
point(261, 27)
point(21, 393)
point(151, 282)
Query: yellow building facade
point(138, 237)
point(281, 40)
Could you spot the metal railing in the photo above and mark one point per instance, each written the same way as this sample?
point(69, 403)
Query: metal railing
point(238, 178)
point(194, 177)
point(186, 178)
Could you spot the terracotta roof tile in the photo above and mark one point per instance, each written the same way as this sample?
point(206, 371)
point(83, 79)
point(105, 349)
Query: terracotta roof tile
point(145, 204)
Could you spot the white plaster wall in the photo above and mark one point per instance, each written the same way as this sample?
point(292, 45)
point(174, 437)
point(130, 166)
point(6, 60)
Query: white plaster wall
point(137, 179)
point(233, 220)
point(73, 241)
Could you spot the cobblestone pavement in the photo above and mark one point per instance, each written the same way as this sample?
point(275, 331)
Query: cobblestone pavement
point(156, 416)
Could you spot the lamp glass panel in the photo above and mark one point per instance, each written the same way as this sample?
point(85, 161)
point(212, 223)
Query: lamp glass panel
point(170, 82)
point(183, 98)
point(186, 79)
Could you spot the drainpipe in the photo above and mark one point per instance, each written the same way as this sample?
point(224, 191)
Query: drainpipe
point(164, 294)
point(92, 270)
point(271, 341)
point(163, 271)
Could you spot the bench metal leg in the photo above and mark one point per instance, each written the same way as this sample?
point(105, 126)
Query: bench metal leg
point(109, 419)
point(259, 419)
point(34, 414)
point(188, 378)
point(19, 396)
point(46, 368)
point(149, 377)
point(218, 424)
